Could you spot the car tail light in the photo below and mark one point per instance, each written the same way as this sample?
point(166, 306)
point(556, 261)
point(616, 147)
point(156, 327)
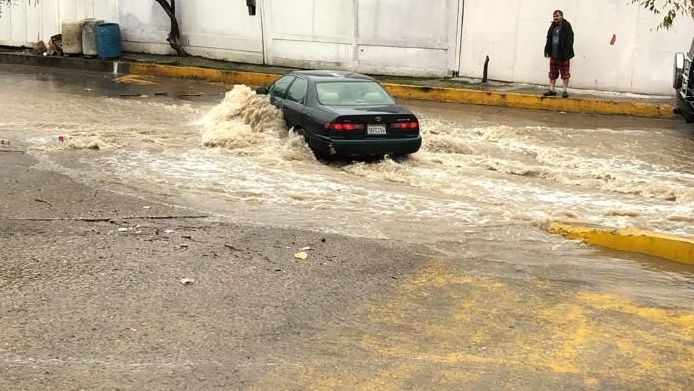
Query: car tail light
point(343, 127)
point(405, 125)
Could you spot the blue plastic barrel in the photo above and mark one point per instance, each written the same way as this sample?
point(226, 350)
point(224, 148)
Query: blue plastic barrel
point(108, 44)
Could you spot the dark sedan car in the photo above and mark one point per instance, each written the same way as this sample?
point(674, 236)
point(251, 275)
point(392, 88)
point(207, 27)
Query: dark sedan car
point(344, 114)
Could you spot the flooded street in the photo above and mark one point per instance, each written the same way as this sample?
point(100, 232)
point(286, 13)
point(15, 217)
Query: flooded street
point(484, 174)
point(498, 295)
point(480, 169)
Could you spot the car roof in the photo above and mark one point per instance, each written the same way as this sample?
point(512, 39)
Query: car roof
point(327, 75)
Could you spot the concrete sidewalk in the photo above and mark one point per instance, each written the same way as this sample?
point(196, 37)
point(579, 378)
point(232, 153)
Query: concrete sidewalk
point(453, 90)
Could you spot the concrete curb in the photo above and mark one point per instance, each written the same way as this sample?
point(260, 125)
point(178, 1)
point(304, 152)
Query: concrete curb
point(438, 94)
point(236, 77)
point(526, 101)
point(675, 248)
point(58, 62)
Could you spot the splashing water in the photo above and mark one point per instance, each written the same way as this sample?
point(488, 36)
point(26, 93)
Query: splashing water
point(247, 124)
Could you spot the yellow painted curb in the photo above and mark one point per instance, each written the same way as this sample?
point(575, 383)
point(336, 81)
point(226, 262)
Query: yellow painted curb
point(235, 77)
point(438, 94)
point(526, 101)
point(672, 247)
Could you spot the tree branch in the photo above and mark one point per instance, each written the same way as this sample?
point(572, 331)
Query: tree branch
point(175, 33)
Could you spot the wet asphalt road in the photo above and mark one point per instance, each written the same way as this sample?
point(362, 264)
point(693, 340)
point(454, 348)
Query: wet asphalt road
point(424, 273)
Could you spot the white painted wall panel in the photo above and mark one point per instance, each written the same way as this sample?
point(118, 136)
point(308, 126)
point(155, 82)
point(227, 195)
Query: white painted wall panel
point(71, 10)
point(640, 60)
point(654, 51)
point(67, 10)
point(402, 61)
point(5, 27)
point(405, 23)
point(598, 63)
point(490, 28)
point(407, 36)
point(83, 9)
point(316, 54)
point(24, 23)
point(528, 45)
point(320, 33)
point(222, 28)
point(33, 23)
point(309, 19)
point(18, 25)
point(143, 23)
point(106, 10)
point(50, 22)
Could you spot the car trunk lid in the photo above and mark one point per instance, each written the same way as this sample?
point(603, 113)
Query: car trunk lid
point(373, 122)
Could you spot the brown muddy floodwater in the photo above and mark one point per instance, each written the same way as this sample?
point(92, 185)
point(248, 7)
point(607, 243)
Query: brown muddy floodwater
point(485, 171)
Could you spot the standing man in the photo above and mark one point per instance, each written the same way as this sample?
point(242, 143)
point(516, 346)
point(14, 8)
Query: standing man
point(560, 50)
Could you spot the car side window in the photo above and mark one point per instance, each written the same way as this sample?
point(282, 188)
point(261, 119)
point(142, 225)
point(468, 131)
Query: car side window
point(297, 91)
point(280, 86)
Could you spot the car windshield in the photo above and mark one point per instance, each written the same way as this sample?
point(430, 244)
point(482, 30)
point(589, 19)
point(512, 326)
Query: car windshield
point(352, 93)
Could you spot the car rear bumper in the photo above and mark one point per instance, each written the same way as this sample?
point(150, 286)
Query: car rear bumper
point(365, 147)
point(686, 108)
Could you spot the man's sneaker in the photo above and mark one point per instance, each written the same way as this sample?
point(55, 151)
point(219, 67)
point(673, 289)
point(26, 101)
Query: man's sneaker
point(549, 93)
point(564, 94)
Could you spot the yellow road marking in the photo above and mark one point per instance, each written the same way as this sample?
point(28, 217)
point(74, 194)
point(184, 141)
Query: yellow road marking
point(452, 330)
point(135, 79)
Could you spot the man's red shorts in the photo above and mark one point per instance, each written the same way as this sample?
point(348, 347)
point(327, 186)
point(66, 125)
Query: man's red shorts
point(559, 66)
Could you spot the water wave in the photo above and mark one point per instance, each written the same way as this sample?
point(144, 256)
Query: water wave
point(247, 124)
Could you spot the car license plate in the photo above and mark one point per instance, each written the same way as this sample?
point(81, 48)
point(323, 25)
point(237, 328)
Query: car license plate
point(374, 130)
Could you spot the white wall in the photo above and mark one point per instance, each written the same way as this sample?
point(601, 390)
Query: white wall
point(409, 37)
point(313, 33)
point(219, 29)
point(397, 37)
point(25, 23)
point(144, 26)
point(512, 33)
point(406, 37)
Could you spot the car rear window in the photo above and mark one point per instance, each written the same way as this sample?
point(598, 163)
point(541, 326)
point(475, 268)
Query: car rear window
point(348, 93)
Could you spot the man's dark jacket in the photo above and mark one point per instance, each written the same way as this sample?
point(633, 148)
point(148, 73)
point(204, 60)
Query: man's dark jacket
point(566, 41)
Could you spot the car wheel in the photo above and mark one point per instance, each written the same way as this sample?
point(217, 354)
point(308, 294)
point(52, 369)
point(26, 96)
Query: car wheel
point(322, 155)
point(688, 118)
point(686, 111)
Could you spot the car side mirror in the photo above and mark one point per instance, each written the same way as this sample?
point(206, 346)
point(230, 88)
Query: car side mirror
point(251, 7)
point(261, 91)
point(677, 70)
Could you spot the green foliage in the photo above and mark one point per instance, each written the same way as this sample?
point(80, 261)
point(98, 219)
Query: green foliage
point(668, 9)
